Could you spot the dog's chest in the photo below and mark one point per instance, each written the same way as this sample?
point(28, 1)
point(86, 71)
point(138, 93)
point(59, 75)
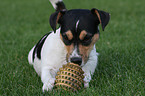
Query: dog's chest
point(53, 51)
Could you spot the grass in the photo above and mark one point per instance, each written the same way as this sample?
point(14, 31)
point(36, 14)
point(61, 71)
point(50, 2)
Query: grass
point(121, 69)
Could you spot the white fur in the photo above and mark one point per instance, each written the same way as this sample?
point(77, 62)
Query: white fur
point(90, 66)
point(30, 56)
point(53, 2)
point(75, 53)
point(77, 24)
point(53, 56)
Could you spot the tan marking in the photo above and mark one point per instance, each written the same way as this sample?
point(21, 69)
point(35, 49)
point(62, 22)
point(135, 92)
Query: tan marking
point(68, 48)
point(97, 13)
point(85, 50)
point(82, 34)
point(69, 35)
point(58, 16)
point(61, 37)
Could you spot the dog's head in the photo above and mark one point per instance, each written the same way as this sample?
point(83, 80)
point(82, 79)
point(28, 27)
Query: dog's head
point(79, 31)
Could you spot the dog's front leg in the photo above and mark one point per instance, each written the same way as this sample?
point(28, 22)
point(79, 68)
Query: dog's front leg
point(47, 78)
point(89, 67)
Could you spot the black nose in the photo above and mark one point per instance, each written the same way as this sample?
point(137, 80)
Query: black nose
point(76, 60)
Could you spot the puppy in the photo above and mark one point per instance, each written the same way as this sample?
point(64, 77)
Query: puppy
point(74, 41)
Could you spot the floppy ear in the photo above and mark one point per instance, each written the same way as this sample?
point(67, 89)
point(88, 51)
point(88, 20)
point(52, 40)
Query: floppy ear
point(54, 18)
point(103, 17)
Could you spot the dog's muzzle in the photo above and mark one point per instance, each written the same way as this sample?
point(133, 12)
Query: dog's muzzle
point(75, 57)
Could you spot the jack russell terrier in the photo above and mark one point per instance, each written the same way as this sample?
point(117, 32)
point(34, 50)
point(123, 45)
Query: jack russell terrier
point(74, 41)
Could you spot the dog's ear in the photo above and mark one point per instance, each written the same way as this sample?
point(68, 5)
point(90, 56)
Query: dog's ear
point(103, 17)
point(54, 18)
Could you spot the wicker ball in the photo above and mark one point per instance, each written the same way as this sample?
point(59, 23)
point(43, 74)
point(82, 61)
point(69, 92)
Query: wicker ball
point(70, 77)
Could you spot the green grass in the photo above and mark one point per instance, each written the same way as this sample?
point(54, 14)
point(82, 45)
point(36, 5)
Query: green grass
point(121, 69)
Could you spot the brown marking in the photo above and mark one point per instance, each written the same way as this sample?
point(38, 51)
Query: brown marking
point(68, 48)
point(97, 13)
point(58, 16)
point(85, 50)
point(61, 37)
point(69, 35)
point(82, 34)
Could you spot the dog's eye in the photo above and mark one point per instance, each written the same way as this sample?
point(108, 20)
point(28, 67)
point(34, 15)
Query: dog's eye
point(66, 40)
point(65, 37)
point(86, 41)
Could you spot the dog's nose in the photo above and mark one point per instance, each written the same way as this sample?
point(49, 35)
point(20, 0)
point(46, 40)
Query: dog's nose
point(76, 60)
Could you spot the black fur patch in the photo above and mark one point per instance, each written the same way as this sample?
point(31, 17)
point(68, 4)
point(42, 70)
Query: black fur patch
point(38, 47)
point(60, 6)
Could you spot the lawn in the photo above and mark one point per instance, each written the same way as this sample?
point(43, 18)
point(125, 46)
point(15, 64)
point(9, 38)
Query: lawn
point(121, 69)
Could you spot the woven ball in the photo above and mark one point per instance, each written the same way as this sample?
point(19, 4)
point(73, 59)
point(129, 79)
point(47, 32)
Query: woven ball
point(70, 77)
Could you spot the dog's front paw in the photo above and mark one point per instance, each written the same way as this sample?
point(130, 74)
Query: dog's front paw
point(87, 80)
point(86, 85)
point(48, 86)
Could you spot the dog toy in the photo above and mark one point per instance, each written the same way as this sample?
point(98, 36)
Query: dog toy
point(70, 77)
